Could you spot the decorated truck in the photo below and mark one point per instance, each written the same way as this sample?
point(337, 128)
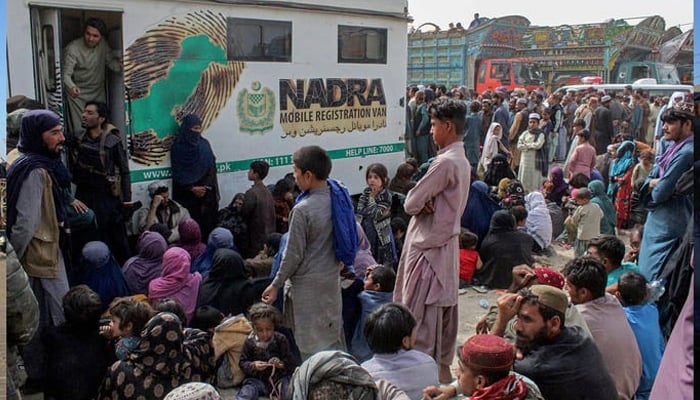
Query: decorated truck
point(266, 77)
point(482, 58)
point(614, 50)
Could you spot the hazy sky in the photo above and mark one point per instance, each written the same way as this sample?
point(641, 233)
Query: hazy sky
point(545, 13)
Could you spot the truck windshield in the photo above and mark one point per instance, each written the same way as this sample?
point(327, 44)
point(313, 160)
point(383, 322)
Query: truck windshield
point(668, 74)
point(527, 73)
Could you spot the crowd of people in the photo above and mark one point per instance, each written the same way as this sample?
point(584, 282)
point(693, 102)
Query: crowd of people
point(298, 290)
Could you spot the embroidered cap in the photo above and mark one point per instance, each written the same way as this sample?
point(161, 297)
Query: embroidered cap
point(488, 353)
point(605, 99)
point(534, 116)
point(548, 276)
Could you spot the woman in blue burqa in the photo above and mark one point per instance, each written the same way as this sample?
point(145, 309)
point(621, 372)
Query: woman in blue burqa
point(194, 174)
point(479, 210)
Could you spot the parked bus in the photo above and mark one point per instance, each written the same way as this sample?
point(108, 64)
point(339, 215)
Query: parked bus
point(266, 77)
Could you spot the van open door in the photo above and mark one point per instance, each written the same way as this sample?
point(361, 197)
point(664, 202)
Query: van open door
point(52, 30)
point(46, 43)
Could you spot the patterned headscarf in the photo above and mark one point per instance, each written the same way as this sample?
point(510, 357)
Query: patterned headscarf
point(332, 375)
point(154, 368)
point(194, 391)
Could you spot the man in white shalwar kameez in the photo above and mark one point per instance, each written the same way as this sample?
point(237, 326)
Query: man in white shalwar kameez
point(84, 62)
point(529, 143)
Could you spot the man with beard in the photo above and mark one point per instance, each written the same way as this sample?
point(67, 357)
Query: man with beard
point(101, 176)
point(563, 362)
point(162, 210)
point(85, 61)
point(37, 226)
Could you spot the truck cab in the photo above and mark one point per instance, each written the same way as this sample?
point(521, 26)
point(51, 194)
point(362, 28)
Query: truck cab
point(630, 71)
point(509, 73)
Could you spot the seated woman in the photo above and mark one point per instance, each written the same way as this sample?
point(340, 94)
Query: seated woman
point(599, 197)
point(176, 282)
point(156, 367)
point(223, 286)
point(560, 188)
point(102, 273)
point(230, 217)
point(498, 169)
point(141, 269)
point(539, 221)
point(220, 238)
point(190, 238)
point(503, 248)
point(479, 210)
point(330, 375)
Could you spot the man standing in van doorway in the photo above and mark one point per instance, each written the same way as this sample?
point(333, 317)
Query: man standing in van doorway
point(84, 62)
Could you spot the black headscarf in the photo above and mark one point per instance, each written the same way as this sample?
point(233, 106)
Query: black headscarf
point(498, 169)
point(36, 155)
point(502, 221)
point(223, 286)
point(191, 155)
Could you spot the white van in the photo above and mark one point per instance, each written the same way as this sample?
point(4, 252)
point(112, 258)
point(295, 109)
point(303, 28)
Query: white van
point(653, 89)
point(265, 76)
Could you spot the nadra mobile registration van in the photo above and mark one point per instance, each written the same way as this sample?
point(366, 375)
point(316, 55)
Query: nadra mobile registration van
point(266, 77)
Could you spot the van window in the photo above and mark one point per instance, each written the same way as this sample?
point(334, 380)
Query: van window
point(259, 40)
point(358, 44)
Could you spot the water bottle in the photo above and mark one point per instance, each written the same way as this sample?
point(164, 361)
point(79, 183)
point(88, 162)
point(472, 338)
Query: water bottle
point(656, 289)
point(484, 304)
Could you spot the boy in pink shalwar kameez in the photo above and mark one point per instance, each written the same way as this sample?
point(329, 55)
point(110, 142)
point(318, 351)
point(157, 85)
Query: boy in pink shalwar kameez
point(428, 273)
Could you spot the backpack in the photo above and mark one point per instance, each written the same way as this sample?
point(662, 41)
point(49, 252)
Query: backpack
point(228, 341)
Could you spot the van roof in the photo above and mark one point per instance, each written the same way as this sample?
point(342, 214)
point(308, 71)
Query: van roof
point(616, 87)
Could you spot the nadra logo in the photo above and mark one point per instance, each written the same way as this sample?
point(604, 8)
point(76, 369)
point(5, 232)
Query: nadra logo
point(334, 104)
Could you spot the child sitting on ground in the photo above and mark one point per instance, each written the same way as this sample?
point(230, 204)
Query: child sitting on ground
point(586, 219)
point(266, 358)
point(128, 317)
point(520, 215)
point(389, 331)
point(379, 289)
point(469, 260)
point(261, 265)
